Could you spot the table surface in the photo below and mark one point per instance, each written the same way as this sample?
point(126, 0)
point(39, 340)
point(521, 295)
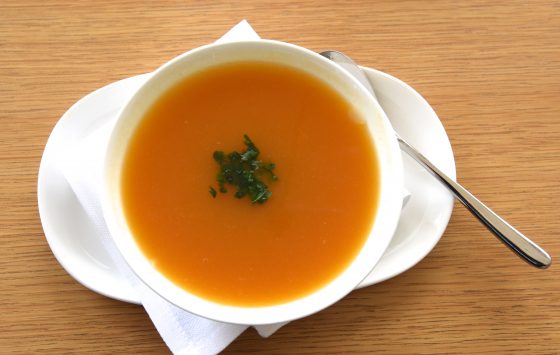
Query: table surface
point(490, 71)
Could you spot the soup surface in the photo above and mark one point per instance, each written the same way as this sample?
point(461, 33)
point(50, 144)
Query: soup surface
point(226, 249)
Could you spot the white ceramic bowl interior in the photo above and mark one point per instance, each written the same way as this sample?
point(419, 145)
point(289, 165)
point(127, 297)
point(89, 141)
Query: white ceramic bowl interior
point(389, 158)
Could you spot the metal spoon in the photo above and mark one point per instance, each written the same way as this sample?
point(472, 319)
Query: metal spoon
point(511, 237)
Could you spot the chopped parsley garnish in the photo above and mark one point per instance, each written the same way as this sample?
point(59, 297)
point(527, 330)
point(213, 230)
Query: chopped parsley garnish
point(244, 171)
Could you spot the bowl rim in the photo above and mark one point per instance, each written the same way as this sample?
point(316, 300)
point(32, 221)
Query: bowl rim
point(389, 204)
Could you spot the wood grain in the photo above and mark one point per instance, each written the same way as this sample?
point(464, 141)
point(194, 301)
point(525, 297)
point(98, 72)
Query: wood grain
point(491, 70)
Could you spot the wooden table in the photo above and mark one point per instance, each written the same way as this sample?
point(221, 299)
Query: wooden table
point(491, 72)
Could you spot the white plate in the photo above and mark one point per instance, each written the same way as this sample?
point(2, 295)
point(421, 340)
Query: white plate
point(70, 233)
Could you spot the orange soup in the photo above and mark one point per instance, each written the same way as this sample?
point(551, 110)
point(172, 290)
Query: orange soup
point(226, 249)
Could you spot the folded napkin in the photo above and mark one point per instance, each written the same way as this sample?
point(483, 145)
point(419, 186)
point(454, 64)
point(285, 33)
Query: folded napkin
point(183, 332)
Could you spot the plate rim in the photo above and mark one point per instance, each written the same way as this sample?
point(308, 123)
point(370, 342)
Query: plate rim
point(376, 276)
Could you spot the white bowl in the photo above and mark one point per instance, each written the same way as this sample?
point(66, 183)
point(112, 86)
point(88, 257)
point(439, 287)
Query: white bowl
point(389, 158)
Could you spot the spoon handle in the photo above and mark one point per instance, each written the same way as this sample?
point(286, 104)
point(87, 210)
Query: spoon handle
point(511, 237)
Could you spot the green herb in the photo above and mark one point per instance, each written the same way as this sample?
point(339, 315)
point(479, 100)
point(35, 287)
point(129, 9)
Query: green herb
point(244, 171)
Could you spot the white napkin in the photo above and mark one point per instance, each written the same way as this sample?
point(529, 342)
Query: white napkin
point(183, 332)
